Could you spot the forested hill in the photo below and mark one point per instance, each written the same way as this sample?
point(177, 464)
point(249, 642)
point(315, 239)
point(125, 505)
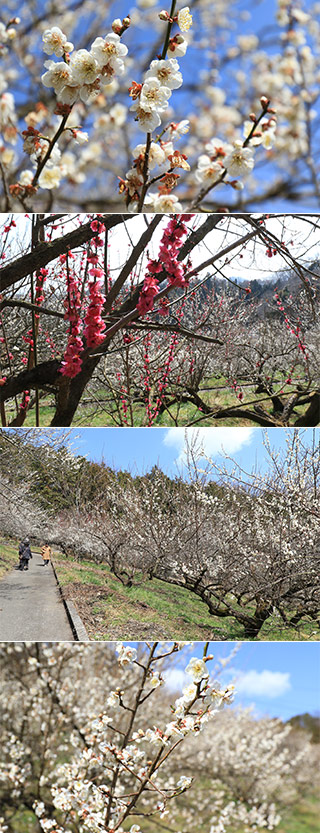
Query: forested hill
point(285, 282)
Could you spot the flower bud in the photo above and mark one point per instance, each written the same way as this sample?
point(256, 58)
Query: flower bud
point(116, 26)
point(236, 185)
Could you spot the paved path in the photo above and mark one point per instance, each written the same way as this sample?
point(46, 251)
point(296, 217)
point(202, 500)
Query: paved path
point(31, 608)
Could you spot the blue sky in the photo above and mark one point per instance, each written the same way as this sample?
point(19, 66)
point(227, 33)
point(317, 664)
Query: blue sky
point(247, 17)
point(138, 449)
point(279, 679)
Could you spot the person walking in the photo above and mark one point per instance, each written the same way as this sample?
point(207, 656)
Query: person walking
point(24, 554)
point(46, 554)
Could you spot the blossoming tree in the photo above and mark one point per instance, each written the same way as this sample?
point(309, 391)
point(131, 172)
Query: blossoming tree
point(93, 740)
point(122, 303)
point(244, 543)
point(213, 106)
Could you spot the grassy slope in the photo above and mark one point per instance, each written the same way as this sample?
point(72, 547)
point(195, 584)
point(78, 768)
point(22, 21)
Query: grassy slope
point(303, 817)
point(8, 556)
point(152, 609)
point(149, 610)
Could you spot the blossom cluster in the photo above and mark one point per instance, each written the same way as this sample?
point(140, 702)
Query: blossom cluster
point(92, 325)
point(110, 773)
point(80, 74)
point(175, 272)
point(72, 362)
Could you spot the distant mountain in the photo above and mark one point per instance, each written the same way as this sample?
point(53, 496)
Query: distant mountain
point(309, 723)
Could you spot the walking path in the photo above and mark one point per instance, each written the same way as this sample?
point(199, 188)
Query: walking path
point(31, 608)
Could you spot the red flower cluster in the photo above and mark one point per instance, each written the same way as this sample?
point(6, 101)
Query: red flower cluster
point(171, 243)
point(94, 326)
point(71, 364)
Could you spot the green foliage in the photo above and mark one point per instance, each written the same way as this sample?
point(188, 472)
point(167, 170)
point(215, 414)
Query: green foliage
point(307, 723)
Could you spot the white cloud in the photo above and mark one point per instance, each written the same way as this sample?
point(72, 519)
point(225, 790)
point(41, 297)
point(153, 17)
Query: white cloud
point(263, 683)
point(213, 440)
point(176, 679)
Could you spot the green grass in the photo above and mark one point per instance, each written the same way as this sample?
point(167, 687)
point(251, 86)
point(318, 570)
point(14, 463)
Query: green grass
point(303, 817)
point(184, 414)
point(151, 609)
point(147, 610)
point(8, 556)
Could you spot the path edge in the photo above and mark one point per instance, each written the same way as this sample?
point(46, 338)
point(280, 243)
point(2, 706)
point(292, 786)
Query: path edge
point(79, 631)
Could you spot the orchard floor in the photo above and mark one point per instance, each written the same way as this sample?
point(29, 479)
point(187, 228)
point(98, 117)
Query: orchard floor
point(152, 609)
point(30, 605)
point(98, 408)
point(110, 611)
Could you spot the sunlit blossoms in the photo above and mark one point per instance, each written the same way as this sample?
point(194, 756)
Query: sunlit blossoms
point(115, 774)
point(240, 161)
point(102, 82)
point(175, 271)
point(167, 72)
point(80, 75)
point(55, 42)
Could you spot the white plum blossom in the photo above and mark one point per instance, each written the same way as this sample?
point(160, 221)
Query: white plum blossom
point(84, 67)
point(157, 154)
point(81, 137)
point(69, 94)
point(127, 655)
point(184, 782)
point(197, 669)
point(240, 161)
point(184, 19)
point(55, 42)
point(118, 114)
point(156, 737)
point(154, 95)
point(113, 699)
point(166, 203)
point(8, 116)
point(180, 129)
point(177, 47)
point(189, 692)
point(58, 75)
point(167, 72)
point(148, 119)
point(108, 53)
point(218, 147)
point(266, 129)
point(50, 177)
point(155, 680)
point(208, 170)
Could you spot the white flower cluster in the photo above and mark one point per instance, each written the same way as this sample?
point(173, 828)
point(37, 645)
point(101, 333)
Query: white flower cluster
point(80, 75)
point(127, 655)
point(161, 78)
point(222, 157)
point(150, 102)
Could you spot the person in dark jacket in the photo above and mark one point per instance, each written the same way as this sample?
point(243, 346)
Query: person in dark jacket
point(24, 554)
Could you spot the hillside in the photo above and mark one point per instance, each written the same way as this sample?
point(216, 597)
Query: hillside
point(152, 556)
point(148, 610)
